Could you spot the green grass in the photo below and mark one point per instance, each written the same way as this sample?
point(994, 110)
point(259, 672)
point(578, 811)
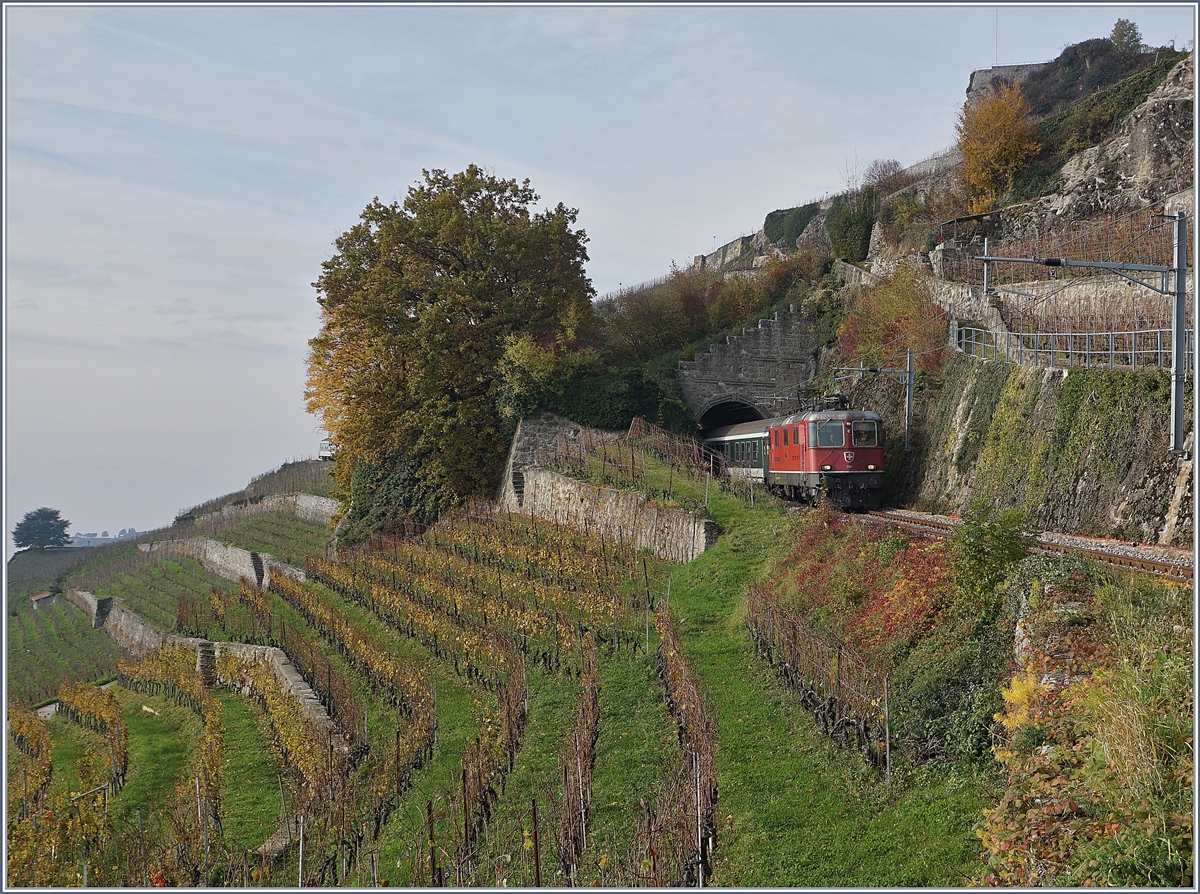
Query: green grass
point(249, 782)
point(635, 744)
point(159, 749)
point(793, 809)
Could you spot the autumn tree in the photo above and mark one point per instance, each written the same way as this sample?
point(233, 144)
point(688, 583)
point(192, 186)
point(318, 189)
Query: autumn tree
point(893, 315)
point(418, 306)
point(995, 137)
point(41, 528)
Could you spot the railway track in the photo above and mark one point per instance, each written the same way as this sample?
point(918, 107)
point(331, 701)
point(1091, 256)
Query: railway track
point(1122, 556)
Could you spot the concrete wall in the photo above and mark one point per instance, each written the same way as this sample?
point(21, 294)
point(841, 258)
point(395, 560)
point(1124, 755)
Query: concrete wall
point(624, 516)
point(230, 562)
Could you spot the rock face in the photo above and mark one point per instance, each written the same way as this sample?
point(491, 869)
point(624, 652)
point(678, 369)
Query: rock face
point(1147, 160)
point(1081, 450)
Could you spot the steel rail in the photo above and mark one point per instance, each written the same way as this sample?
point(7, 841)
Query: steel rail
point(945, 529)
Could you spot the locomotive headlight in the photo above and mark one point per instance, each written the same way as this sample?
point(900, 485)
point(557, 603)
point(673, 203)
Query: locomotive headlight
point(871, 466)
point(826, 468)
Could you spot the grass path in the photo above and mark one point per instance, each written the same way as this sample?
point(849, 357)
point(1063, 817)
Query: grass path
point(793, 809)
point(249, 792)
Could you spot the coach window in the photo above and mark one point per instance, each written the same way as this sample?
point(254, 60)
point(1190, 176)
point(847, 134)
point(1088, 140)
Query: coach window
point(865, 434)
point(831, 434)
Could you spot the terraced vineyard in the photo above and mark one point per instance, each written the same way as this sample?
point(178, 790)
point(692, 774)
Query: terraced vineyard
point(285, 536)
point(54, 645)
point(511, 703)
point(150, 586)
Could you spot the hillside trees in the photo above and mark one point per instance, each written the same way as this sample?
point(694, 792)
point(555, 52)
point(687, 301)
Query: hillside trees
point(1126, 37)
point(995, 137)
point(41, 528)
point(418, 305)
point(849, 222)
point(895, 314)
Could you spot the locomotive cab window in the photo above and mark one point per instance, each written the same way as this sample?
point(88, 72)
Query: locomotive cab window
point(785, 441)
point(865, 434)
point(796, 434)
point(831, 434)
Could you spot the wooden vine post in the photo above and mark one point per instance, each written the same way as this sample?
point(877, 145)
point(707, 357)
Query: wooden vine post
point(537, 850)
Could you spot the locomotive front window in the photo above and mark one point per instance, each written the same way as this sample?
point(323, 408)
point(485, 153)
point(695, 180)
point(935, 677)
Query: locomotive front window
point(865, 434)
point(831, 434)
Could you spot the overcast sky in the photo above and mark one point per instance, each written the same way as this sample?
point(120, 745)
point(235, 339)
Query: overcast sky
point(175, 175)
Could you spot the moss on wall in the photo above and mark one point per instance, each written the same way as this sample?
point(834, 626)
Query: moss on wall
point(1080, 450)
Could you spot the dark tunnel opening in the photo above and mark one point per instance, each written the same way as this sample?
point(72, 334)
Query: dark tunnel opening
point(729, 412)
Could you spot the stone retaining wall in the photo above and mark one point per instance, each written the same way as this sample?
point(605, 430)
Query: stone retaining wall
point(309, 507)
point(229, 562)
point(138, 637)
point(625, 516)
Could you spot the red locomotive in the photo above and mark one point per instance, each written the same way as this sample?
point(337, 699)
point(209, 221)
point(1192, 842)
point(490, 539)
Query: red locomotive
point(833, 449)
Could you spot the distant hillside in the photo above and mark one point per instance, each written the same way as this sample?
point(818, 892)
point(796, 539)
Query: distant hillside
point(1085, 69)
point(306, 476)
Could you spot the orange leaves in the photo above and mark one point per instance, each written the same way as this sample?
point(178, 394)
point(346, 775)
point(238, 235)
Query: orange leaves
point(995, 137)
point(896, 314)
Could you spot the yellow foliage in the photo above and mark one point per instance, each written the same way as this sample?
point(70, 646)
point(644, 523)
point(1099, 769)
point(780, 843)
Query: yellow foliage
point(995, 137)
point(1018, 698)
point(895, 314)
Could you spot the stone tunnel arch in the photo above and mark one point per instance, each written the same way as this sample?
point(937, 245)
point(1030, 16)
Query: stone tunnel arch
point(724, 411)
point(756, 375)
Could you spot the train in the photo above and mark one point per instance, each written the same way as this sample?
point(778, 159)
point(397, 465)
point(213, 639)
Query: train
point(827, 451)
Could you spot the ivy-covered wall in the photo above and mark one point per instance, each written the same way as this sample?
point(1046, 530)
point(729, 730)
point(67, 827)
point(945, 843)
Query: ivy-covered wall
point(1080, 450)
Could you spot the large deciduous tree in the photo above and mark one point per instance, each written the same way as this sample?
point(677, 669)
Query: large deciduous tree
point(41, 528)
point(418, 305)
point(995, 137)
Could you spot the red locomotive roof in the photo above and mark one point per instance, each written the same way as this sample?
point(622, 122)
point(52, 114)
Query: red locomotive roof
point(760, 426)
point(828, 415)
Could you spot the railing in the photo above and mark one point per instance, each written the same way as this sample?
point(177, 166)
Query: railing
point(1134, 349)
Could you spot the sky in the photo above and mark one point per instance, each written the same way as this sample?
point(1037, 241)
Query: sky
point(176, 174)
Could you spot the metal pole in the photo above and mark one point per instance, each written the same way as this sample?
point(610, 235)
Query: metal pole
point(908, 405)
point(1179, 335)
point(887, 732)
point(582, 809)
point(699, 840)
point(985, 268)
point(300, 872)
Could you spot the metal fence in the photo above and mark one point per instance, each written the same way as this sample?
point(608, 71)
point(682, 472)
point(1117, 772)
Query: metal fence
point(1133, 349)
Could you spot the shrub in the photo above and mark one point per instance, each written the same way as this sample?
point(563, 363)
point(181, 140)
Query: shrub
point(784, 227)
point(849, 221)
